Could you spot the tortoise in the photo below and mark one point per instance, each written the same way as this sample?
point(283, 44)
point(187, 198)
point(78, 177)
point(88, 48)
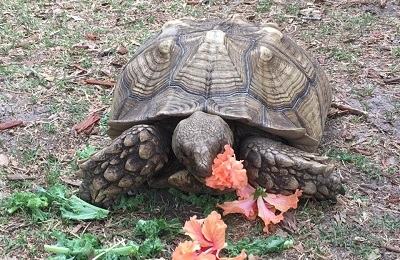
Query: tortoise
point(198, 85)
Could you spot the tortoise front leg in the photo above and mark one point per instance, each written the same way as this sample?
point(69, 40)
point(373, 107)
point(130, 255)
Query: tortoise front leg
point(282, 169)
point(127, 162)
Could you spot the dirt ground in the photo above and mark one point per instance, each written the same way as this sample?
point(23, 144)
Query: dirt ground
point(49, 49)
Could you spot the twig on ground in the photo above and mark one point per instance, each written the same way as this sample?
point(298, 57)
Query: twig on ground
point(391, 248)
point(392, 80)
point(19, 177)
point(99, 82)
point(351, 110)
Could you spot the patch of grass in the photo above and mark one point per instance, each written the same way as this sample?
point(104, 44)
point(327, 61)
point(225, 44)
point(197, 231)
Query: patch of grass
point(386, 223)
point(30, 155)
point(12, 244)
point(264, 6)
point(342, 55)
point(355, 240)
point(293, 9)
point(84, 154)
point(130, 203)
point(364, 90)
point(52, 172)
point(361, 162)
point(396, 51)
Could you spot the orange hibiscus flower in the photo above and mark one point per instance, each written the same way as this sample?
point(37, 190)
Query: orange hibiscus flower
point(227, 172)
point(256, 202)
point(208, 237)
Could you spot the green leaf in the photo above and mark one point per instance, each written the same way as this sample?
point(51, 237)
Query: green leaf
point(77, 209)
point(273, 244)
point(156, 227)
point(27, 202)
point(150, 248)
point(88, 245)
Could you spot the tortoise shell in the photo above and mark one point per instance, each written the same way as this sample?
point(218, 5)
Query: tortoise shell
point(238, 70)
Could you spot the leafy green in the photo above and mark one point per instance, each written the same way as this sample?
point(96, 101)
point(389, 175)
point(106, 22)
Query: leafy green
point(36, 203)
point(27, 202)
point(85, 153)
point(273, 244)
point(87, 245)
point(150, 248)
point(156, 227)
point(130, 203)
point(205, 201)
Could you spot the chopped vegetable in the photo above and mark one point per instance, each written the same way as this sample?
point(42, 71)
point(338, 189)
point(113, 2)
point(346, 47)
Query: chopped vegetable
point(156, 227)
point(272, 244)
point(72, 208)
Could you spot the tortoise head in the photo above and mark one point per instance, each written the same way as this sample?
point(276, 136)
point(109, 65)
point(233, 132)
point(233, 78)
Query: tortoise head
point(198, 139)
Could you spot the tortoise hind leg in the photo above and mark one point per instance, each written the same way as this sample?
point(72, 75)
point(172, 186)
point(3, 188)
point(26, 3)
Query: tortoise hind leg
point(282, 169)
point(127, 162)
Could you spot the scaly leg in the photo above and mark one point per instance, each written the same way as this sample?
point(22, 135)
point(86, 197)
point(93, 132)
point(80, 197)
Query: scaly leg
point(127, 162)
point(282, 169)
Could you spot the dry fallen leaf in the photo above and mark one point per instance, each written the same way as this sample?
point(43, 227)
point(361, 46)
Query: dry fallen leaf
point(91, 36)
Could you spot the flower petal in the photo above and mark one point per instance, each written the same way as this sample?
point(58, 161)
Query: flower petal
point(242, 256)
point(206, 256)
point(244, 206)
point(193, 228)
point(227, 172)
point(283, 203)
point(214, 230)
point(246, 192)
point(267, 215)
point(186, 251)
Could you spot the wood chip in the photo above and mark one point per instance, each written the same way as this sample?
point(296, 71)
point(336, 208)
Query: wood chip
point(87, 125)
point(10, 124)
